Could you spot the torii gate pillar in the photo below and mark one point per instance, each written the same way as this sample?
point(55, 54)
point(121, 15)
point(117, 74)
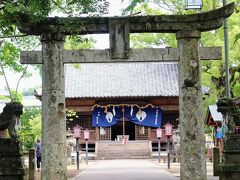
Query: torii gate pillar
point(192, 149)
point(54, 165)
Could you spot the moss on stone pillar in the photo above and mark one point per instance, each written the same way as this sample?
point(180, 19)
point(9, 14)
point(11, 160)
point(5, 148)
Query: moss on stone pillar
point(192, 149)
point(54, 157)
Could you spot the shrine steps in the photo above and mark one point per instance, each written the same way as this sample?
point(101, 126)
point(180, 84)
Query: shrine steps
point(117, 150)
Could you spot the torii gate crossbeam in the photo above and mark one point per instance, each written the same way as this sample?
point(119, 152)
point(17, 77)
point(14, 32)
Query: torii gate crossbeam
point(188, 30)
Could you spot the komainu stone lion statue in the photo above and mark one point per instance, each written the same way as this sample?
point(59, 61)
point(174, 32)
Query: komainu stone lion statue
point(229, 109)
point(11, 113)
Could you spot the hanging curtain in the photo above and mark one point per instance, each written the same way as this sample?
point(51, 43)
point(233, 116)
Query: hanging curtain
point(150, 116)
point(105, 116)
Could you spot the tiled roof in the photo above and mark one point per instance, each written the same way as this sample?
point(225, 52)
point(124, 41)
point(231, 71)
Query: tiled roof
point(217, 116)
point(121, 80)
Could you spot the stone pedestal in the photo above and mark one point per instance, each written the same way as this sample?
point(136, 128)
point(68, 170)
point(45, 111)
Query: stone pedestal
point(11, 160)
point(230, 166)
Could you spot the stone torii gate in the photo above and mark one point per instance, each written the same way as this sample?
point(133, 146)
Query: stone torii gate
point(188, 30)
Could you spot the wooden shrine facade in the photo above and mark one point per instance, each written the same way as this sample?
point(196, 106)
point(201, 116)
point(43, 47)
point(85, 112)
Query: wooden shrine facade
point(83, 107)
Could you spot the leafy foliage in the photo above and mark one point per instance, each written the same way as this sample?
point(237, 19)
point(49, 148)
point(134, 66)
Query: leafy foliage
point(76, 42)
point(87, 6)
point(155, 7)
point(213, 72)
point(71, 115)
point(16, 96)
point(30, 127)
point(13, 13)
point(237, 37)
point(9, 54)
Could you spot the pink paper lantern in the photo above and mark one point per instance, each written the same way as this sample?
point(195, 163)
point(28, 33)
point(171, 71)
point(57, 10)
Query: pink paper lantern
point(86, 134)
point(168, 129)
point(159, 132)
point(76, 132)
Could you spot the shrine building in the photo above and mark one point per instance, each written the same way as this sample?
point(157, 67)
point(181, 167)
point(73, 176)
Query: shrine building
point(130, 99)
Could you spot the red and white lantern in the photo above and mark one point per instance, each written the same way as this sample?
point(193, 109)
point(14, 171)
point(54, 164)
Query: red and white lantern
point(168, 129)
point(86, 134)
point(159, 132)
point(77, 132)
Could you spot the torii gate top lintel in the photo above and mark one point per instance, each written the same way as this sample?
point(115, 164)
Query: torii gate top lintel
point(204, 21)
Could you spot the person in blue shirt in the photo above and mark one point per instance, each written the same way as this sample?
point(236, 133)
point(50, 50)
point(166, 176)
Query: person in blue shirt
point(219, 135)
point(38, 148)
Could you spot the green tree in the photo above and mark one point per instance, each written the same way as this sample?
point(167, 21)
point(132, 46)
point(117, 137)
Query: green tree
point(9, 59)
point(76, 42)
point(30, 127)
point(213, 72)
point(13, 13)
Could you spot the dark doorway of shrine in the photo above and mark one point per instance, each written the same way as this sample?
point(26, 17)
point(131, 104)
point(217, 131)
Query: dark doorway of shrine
point(117, 130)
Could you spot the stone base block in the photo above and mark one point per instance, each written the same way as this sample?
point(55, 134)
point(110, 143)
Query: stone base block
point(229, 171)
point(231, 157)
point(11, 160)
point(232, 142)
point(10, 148)
point(4, 172)
point(12, 178)
point(230, 166)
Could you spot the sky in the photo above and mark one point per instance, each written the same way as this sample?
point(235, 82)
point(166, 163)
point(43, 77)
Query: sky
point(32, 82)
point(35, 80)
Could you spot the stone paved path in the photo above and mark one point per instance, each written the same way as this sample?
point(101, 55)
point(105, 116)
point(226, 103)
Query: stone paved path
point(125, 170)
